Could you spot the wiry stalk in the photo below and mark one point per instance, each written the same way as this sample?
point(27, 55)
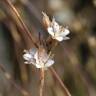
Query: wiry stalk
point(9, 78)
point(67, 93)
point(42, 71)
point(21, 21)
point(41, 81)
point(56, 75)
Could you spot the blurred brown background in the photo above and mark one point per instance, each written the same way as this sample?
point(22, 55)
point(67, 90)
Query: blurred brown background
point(75, 59)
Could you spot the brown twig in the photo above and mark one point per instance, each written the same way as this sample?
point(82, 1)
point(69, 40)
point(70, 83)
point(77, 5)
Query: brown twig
point(60, 81)
point(9, 78)
point(56, 75)
point(21, 21)
point(42, 81)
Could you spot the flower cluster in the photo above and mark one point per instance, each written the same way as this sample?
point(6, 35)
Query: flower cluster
point(55, 30)
point(39, 57)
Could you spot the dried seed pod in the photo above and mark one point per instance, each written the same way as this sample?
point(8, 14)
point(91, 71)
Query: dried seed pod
point(46, 20)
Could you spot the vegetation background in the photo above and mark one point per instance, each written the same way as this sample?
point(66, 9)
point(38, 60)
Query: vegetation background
point(75, 59)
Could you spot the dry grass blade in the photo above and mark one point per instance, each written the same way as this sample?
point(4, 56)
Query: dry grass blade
point(22, 22)
point(56, 75)
point(60, 81)
point(9, 78)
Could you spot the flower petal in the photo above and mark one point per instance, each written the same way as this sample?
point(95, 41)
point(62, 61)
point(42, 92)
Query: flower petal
point(27, 56)
point(50, 31)
point(49, 63)
point(36, 57)
point(55, 26)
point(64, 33)
point(59, 38)
point(66, 38)
point(26, 62)
point(32, 51)
point(38, 66)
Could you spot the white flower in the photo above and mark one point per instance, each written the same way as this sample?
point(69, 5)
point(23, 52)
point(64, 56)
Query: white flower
point(39, 58)
point(58, 32)
point(29, 56)
point(54, 29)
